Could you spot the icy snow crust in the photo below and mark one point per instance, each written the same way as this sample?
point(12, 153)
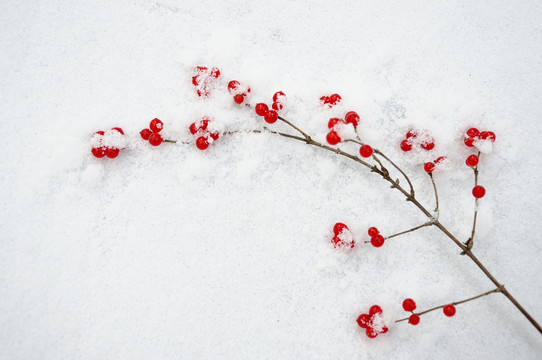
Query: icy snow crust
point(170, 252)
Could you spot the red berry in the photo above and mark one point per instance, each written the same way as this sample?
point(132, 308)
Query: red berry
point(195, 80)
point(488, 135)
point(414, 319)
point(261, 109)
point(118, 129)
point(332, 122)
point(472, 160)
point(334, 99)
point(371, 333)
point(478, 191)
point(338, 228)
point(364, 320)
point(469, 141)
point(411, 133)
point(375, 309)
point(384, 330)
point(472, 132)
point(277, 106)
point(373, 231)
point(202, 143)
point(239, 98)
point(156, 125)
point(278, 96)
point(214, 135)
point(409, 305)
point(405, 145)
point(428, 145)
point(449, 310)
point(98, 152)
point(112, 152)
point(215, 72)
point(200, 69)
point(365, 151)
point(99, 133)
point(324, 100)
point(233, 85)
point(377, 241)
point(155, 139)
point(440, 159)
point(145, 133)
point(333, 138)
point(352, 117)
point(429, 167)
point(271, 116)
point(193, 128)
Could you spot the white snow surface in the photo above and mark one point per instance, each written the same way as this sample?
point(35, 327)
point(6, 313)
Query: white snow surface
point(169, 252)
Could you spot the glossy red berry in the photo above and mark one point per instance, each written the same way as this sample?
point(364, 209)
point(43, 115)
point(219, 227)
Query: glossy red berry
point(324, 100)
point(469, 141)
point(373, 231)
point(193, 128)
point(377, 241)
point(233, 85)
point(375, 309)
point(478, 191)
point(200, 69)
point(411, 133)
point(98, 152)
point(155, 139)
point(370, 332)
point(472, 132)
point(429, 167)
point(336, 241)
point(472, 160)
point(214, 135)
point(428, 145)
point(261, 109)
point(352, 117)
point(202, 143)
point(334, 99)
point(271, 116)
point(365, 151)
point(339, 227)
point(277, 106)
point(195, 80)
point(449, 310)
point(332, 122)
point(119, 130)
point(279, 95)
point(384, 330)
point(145, 133)
point(156, 125)
point(488, 135)
point(239, 98)
point(409, 305)
point(405, 145)
point(414, 319)
point(364, 320)
point(333, 138)
point(99, 133)
point(112, 152)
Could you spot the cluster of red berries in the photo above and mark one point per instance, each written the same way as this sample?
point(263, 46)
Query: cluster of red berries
point(330, 100)
point(107, 143)
point(205, 79)
point(334, 124)
point(152, 134)
point(414, 319)
point(429, 167)
point(343, 237)
point(377, 240)
point(413, 137)
point(200, 129)
point(372, 322)
point(271, 115)
point(238, 90)
point(473, 135)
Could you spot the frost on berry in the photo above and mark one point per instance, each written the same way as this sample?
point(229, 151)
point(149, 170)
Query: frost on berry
point(107, 143)
point(205, 80)
point(417, 139)
point(373, 322)
point(342, 236)
point(330, 100)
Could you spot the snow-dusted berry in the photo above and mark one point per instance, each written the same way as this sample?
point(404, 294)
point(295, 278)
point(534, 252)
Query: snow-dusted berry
point(352, 117)
point(339, 227)
point(202, 143)
point(277, 106)
point(488, 135)
point(98, 152)
point(156, 125)
point(112, 152)
point(428, 145)
point(364, 320)
point(429, 167)
point(472, 133)
point(334, 99)
point(406, 145)
point(119, 130)
point(214, 135)
point(279, 96)
point(333, 122)
point(233, 85)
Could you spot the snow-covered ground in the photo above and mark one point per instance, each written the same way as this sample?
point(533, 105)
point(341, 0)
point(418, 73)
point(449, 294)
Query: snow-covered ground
point(175, 253)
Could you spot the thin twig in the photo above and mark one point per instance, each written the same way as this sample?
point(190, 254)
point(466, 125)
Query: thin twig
point(470, 242)
point(454, 303)
point(399, 169)
point(435, 189)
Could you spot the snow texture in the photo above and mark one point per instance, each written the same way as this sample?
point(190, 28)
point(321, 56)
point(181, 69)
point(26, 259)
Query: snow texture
point(169, 252)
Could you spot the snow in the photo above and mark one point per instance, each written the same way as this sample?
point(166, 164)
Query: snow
point(170, 252)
